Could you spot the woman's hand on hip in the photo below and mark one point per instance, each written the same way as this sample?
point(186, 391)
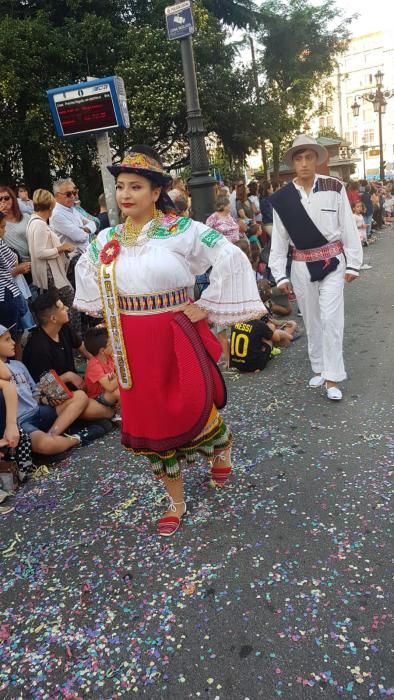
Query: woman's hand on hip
point(195, 313)
point(349, 277)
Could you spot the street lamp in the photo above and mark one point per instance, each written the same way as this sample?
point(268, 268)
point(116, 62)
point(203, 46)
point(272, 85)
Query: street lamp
point(379, 101)
point(355, 108)
point(379, 79)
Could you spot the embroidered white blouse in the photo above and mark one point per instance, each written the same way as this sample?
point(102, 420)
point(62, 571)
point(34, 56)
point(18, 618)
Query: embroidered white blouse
point(328, 207)
point(179, 250)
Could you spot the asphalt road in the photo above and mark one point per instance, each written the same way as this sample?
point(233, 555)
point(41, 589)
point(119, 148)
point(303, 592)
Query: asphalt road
point(277, 586)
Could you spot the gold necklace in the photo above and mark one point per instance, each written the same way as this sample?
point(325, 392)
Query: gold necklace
point(131, 232)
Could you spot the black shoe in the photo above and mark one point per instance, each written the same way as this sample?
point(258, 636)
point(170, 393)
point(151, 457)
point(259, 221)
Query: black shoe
point(86, 435)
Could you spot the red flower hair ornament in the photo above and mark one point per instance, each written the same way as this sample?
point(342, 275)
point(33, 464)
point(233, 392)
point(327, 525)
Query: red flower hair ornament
point(110, 252)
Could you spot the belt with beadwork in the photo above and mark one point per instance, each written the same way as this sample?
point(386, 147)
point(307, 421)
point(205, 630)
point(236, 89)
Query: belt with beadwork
point(152, 303)
point(324, 252)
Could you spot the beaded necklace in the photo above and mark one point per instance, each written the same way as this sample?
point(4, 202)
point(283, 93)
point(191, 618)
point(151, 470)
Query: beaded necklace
point(131, 232)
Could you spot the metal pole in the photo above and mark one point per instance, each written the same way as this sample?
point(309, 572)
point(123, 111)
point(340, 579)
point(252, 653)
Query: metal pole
point(339, 90)
point(201, 184)
point(104, 154)
point(381, 164)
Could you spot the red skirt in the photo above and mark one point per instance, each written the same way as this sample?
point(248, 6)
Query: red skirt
point(175, 380)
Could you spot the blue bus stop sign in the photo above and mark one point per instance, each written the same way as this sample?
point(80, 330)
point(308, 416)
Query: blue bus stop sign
point(179, 19)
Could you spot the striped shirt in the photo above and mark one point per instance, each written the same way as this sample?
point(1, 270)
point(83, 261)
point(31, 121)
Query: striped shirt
point(8, 260)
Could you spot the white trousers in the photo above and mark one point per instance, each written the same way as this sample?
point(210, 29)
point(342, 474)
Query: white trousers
point(322, 308)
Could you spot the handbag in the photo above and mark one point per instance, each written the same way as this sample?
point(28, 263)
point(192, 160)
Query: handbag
point(53, 389)
point(9, 480)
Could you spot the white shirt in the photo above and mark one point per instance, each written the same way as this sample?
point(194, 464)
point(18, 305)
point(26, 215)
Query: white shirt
point(167, 262)
point(255, 200)
point(68, 223)
point(233, 205)
point(330, 211)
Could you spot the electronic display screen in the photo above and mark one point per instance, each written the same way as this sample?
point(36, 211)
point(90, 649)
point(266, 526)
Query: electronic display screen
point(86, 113)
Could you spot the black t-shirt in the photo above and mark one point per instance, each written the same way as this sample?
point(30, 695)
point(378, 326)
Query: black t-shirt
point(42, 353)
point(248, 351)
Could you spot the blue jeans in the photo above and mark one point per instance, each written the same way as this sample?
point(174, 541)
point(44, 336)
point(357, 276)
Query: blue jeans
point(368, 220)
point(13, 311)
point(42, 419)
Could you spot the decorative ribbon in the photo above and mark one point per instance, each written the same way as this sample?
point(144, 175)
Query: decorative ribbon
point(324, 252)
point(107, 282)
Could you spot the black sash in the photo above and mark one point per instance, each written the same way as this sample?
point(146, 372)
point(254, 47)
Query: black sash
point(301, 229)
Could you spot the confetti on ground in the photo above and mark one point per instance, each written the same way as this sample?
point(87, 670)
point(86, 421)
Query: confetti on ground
point(276, 586)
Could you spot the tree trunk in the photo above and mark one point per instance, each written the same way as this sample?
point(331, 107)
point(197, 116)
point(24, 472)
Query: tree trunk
point(275, 160)
point(264, 158)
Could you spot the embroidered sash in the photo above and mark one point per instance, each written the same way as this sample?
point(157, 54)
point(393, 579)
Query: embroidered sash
point(302, 230)
point(107, 284)
point(324, 253)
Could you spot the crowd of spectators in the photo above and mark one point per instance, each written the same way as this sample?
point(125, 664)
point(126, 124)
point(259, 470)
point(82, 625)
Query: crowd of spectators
point(41, 239)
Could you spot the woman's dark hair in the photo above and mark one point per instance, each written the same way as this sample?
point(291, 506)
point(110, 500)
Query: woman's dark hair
point(96, 338)
point(252, 187)
point(266, 186)
point(241, 193)
point(2, 216)
point(16, 212)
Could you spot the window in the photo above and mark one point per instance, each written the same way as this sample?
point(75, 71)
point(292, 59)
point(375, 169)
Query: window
point(330, 120)
point(355, 138)
point(369, 136)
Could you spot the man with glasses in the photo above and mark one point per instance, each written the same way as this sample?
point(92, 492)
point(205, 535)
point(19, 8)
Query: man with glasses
point(66, 221)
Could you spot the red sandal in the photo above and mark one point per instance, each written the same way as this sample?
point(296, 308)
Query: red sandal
point(220, 475)
point(169, 524)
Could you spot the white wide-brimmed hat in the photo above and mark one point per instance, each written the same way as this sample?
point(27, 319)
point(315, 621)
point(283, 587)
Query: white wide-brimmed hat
point(303, 141)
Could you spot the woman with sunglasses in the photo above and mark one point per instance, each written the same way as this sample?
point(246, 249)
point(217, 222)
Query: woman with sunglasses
point(165, 355)
point(13, 306)
point(16, 223)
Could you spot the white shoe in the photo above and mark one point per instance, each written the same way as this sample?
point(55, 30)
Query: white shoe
point(316, 381)
point(366, 267)
point(334, 393)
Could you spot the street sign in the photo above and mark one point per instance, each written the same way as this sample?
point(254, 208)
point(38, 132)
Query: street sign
point(179, 19)
point(90, 107)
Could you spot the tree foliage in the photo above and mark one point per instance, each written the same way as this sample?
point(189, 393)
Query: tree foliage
point(47, 43)
point(300, 44)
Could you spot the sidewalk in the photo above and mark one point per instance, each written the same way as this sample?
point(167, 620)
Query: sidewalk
point(276, 586)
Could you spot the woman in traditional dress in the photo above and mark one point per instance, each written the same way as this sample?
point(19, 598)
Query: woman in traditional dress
point(138, 274)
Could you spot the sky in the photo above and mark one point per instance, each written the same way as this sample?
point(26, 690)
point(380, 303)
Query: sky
point(372, 16)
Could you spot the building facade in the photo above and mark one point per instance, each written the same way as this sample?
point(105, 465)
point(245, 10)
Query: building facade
point(353, 78)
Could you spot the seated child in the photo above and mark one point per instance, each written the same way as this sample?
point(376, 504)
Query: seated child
point(45, 425)
point(265, 290)
point(252, 342)
point(100, 379)
point(244, 245)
